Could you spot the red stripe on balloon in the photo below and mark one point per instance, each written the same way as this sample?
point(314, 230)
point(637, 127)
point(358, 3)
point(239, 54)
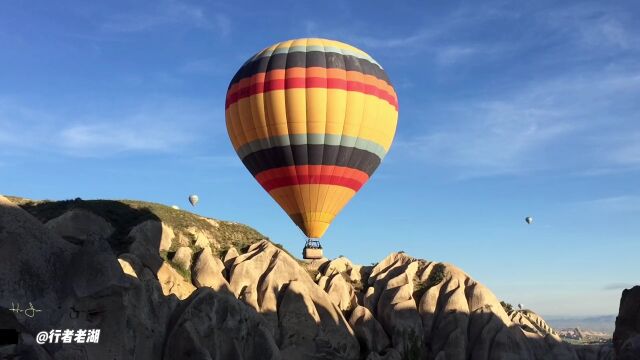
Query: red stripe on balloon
point(308, 83)
point(312, 174)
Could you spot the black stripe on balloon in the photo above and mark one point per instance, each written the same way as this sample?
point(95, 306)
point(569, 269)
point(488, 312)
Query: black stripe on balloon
point(315, 154)
point(329, 60)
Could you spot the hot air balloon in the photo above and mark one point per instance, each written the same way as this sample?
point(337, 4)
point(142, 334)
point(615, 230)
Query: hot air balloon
point(193, 199)
point(520, 306)
point(311, 119)
point(528, 219)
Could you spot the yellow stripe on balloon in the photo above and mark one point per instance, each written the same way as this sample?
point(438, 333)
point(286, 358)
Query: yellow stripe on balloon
point(375, 125)
point(321, 210)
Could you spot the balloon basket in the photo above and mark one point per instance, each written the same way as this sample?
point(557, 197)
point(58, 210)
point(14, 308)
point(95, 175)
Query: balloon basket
point(312, 250)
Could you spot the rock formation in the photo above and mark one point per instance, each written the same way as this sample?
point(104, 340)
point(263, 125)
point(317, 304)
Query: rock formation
point(209, 271)
point(626, 338)
point(531, 322)
point(78, 225)
point(157, 291)
point(304, 321)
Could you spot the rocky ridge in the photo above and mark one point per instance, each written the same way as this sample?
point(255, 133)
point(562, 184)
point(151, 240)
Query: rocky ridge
point(156, 294)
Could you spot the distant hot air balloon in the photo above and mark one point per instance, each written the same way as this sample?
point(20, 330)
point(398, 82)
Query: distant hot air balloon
point(528, 219)
point(520, 306)
point(193, 199)
point(311, 119)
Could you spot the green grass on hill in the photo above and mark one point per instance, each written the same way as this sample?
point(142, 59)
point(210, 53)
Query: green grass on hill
point(126, 214)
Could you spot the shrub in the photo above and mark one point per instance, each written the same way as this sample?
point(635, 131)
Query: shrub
point(508, 308)
point(412, 347)
point(436, 276)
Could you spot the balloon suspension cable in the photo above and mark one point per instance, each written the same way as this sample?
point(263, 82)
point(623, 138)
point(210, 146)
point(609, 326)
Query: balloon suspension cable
point(313, 244)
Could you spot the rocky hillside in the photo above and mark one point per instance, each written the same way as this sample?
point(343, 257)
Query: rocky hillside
point(626, 337)
point(162, 288)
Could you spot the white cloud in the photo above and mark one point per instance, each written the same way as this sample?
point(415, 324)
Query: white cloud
point(626, 149)
point(523, 131)
point(158, 126)
point(618, 286)
point(223, 24)
point(96, 139)
point(310, 28)
point(623, 203)
point(418, 39)
point(205, 66)
point(495, 138)
point(591, 25)
point(451, 54)
point(167, 13)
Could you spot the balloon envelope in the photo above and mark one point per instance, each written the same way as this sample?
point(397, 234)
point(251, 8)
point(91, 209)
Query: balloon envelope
point(311, 119)
point(528, 219)
point(193, 199)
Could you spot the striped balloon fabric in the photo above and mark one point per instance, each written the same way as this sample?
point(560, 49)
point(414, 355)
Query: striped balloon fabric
point(311, 120)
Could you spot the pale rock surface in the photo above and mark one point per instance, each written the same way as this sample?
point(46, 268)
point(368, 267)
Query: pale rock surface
point(532, 322)
point(182, 257)
point(148, 239)
point(209, 271)
point(301, 315)
point(343, 265)
point(393, 302)
point(213, 222)
point(181, 239)
point(368, 330)
point(173, 283)
point(339, 290)
point(127, 268)
point(337, 266)
point(202, 238)
point(229, 257)
point(128, 260)
point(78, 225)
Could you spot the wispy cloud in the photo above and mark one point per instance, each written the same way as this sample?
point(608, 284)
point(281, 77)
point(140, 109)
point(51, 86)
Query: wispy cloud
point(625, 149)
point(419, 38)
point(435, 34)
point(452, 54)
point(495, 138)
point(623, 203)
point(439, 37)
point(222, 24)
point(217, 161)
point(95, 139)
point(168, 13)
point(451, 38)
point(524, 130)
point(205, 66)
point(167, 126)
point(595, 25)
point(617, 286)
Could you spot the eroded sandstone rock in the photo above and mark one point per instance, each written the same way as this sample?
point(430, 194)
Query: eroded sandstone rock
point(209, 271)
point(148, 240)
point(78, 225)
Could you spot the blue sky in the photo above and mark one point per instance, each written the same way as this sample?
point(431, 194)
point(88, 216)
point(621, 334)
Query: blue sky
point(505, 111)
